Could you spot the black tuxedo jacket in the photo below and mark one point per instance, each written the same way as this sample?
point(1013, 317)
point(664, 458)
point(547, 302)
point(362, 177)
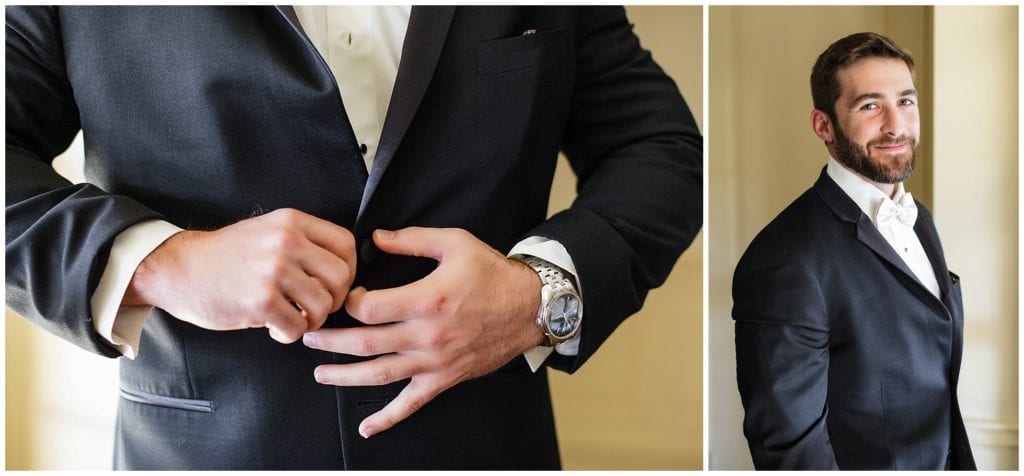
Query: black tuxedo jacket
point(844, 360)
point(203, 116)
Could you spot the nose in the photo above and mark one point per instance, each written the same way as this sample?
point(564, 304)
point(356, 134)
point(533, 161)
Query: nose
point(894, 123)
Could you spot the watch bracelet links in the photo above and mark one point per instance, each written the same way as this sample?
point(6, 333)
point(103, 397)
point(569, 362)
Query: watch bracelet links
point(550, 275)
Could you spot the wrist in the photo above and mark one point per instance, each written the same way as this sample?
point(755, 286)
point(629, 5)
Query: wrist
point(529, 303)
point(560, 311)
point(153, 275)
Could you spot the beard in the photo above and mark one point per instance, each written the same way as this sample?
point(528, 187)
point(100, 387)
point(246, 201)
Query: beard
point(891, 169)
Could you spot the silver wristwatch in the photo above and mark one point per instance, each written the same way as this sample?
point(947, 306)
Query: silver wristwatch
point(561, 309)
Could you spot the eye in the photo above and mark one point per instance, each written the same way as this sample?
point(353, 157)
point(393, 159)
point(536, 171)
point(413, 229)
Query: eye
point(906, 102)
point(869, 106)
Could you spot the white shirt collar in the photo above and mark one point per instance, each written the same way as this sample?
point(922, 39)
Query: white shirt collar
point(862, 191)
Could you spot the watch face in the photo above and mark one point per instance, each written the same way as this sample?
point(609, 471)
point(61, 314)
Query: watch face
point(565, 313)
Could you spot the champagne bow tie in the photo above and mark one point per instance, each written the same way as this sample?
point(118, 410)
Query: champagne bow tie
point(905, 210)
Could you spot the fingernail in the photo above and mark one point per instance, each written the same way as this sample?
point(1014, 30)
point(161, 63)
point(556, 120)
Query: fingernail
point(311, 339)
point(367, 431)
point(385, 234)
point(357, 290)
point(319, 376)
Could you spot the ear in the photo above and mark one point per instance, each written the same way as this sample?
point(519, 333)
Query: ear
point(821, 124)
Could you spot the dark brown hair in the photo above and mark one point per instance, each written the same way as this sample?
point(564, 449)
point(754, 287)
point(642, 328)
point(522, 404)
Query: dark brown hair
point(843, 53)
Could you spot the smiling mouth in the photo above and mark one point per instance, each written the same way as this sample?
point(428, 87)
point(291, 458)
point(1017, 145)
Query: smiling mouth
point(891, 148)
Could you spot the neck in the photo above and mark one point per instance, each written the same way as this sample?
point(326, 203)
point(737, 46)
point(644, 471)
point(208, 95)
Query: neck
point(889, 189)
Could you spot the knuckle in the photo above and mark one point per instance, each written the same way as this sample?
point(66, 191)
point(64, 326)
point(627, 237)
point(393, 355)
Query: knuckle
point(346, 238)
point(282, 240)
point(364, 345)
point(277, 269)
point(417, 402)
point(435, 339)
point(381, 375)
point(263, 300)
point(434, 305)
point(287, 215)
point(316, 311)
point(337, 283)
point(289, 335)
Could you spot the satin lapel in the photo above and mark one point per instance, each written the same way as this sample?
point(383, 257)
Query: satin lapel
point(845, 209)
point(424, 40)
point(870, 237)
point(934, 252)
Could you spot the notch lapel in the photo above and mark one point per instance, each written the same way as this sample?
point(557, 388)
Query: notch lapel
point(933, 250)
point(873, 239)
point(424, 40)
point(846, 210)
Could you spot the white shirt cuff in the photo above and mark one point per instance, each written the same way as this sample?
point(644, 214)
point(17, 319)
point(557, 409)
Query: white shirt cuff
point(122, 325)
point(556, 254)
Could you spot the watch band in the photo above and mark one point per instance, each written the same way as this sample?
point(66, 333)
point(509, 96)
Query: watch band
point(550, 274)
point(555, 281)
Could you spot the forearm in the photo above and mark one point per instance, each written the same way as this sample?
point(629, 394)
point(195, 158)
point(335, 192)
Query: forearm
point(637, 154)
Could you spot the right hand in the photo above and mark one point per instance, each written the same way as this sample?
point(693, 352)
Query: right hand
point(285, 271)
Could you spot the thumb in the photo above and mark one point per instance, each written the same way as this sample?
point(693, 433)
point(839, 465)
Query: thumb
point(418, 241)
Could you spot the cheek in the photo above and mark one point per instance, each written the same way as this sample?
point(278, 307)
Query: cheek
point(861, 132)
point(914, 124)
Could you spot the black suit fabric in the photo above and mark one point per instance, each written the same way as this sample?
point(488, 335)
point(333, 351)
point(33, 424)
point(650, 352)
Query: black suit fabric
point(844, 360)
point(204, 116)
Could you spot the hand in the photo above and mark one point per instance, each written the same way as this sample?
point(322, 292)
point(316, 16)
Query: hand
point(285, 271)
point(473, 314)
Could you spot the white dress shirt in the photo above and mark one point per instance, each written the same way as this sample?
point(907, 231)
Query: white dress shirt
point(362, 46)
point(900, 235)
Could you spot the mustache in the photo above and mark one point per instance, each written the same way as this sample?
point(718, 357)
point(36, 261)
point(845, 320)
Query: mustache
point(890, 141)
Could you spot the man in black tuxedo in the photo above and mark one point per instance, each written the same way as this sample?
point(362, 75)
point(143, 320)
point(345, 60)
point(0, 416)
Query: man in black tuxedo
point(233, 186)
point(849, 326)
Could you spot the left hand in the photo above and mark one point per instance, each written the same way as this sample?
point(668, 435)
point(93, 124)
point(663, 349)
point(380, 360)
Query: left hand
point(473, 314)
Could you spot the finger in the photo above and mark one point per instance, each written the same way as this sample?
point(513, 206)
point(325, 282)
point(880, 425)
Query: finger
point(362, 341)
point(332, 238)
point(380, 371)
point(285, 323)
point(332, 272)
point(414, 396)
point(384, 306)
point(420, 241)
point(308, 293)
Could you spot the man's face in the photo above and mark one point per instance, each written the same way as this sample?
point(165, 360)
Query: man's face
point(877, 121)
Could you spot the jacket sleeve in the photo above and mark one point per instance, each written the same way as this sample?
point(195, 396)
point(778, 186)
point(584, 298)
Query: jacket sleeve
point(58, 234)
point(637, 154)
point(782, 358)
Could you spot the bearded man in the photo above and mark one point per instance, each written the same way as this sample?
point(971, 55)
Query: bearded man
point(849, 325)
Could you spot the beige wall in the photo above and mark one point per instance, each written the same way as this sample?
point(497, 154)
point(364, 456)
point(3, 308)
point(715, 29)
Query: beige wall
point(636, 404)
point(763, 155)
point(975, 180)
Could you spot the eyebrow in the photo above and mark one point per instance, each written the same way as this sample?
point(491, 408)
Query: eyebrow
point(904, 93)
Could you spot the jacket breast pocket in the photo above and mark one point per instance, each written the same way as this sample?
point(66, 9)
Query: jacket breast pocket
point(521, 52)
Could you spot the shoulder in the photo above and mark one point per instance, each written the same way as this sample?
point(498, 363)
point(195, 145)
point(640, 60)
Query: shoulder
point(801, 228)
point(779, 277)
